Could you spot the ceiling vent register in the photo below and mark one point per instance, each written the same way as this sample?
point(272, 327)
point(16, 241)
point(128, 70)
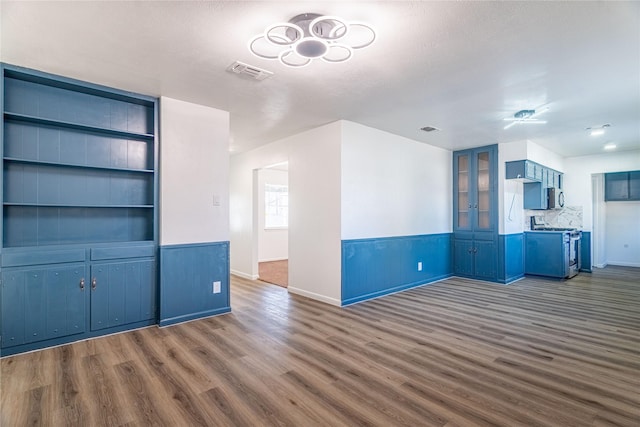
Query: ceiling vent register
point(249, 71)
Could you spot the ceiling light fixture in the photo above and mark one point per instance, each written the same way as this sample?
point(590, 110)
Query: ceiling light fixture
point(310, 36)
point(598, 130)
point(526, 117)
point(610, 146)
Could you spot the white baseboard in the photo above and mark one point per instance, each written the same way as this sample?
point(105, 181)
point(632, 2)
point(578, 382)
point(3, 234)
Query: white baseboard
point(273, 259)
point(600, 265)
point(315, 296)
point(244, 275)
point(624, 264)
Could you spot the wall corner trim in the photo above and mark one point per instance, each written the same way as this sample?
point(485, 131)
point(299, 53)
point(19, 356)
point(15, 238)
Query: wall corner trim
point(244, 275)
point(314, 296)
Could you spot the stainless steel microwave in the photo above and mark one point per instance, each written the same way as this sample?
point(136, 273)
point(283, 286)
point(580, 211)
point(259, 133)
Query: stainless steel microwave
point(555, 198)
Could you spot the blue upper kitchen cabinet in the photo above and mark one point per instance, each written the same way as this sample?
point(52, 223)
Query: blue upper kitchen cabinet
point(79, 190)
point(475, 212)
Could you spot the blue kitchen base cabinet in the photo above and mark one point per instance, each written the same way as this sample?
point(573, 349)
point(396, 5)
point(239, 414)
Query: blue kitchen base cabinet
point(42, 303)
point(545, 254)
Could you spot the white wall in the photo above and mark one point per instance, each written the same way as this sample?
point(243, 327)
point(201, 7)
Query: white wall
point(194, 171)
point(623, 233)
point(393, 186)
point(314, 221)
point(544, 156)
point(578, 171)
point(273, 244)
point(314, 210)
point(510, 203)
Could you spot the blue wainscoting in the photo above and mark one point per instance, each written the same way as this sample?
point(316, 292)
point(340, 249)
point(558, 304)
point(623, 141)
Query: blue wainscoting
point(510, 257)
point(585, 252)
point(187, 273)
point(380, 266)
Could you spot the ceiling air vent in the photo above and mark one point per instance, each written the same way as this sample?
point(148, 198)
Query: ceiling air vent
point(430, 129)
point(249, 71)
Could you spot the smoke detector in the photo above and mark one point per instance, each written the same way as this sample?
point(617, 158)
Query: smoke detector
point(250, 71)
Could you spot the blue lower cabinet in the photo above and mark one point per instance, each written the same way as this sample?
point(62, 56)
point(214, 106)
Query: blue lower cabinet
point(122, 293)
point(463, 257)
point(545, 254)
point(485, 259)
point(475, 258)
point(42, 303)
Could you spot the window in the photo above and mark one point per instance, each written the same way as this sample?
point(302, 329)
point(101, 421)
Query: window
point(276, 206)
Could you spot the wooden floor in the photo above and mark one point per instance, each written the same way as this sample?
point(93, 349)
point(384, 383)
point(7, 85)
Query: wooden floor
point(454, 353)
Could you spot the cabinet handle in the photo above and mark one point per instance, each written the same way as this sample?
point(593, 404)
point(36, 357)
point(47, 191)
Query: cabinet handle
point(475, 250)
point(475, 206)
point(469, 205)
point(82, 284)
point(94, 284)
point(470, 250)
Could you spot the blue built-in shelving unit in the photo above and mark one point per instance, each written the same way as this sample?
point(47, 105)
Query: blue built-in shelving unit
point(79, 217)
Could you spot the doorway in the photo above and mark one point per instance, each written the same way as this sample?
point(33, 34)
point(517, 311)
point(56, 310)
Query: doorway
point(616, 229)
point(272, 212)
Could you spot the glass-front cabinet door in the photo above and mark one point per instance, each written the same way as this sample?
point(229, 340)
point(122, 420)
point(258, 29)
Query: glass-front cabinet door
point(463, 196)
point(483, 205)
point(474, 189)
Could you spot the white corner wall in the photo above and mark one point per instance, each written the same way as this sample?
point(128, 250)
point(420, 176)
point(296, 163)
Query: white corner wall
point(544, 156)
point(194, 172)
point(314, 210)
point(578, 171)
point(273, 244)
point(622, 245)
point(393, 186)
point(314, 214)
point(510, 202)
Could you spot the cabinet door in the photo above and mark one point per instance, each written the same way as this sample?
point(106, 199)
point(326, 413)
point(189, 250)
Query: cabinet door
point(122, 293)
point(483, 183)
point(66, 301)
point(634, 185)
point(140, 294)
point(485, 253)
point(531, 170)
point(463, 200)
point(42, 303)
point(13, 313)
point(463, 257)
point(616, 186)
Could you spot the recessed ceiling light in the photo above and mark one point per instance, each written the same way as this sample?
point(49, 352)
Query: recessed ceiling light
point(610, 146)
point(598, 130)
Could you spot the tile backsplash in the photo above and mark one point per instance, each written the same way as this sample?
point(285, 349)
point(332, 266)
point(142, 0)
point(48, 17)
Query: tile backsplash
point(567, 217)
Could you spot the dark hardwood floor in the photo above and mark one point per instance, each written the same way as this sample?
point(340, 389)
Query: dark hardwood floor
point(455, 353)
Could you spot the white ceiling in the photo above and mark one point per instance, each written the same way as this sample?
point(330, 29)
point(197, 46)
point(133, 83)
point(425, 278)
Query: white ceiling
point(458, 66)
